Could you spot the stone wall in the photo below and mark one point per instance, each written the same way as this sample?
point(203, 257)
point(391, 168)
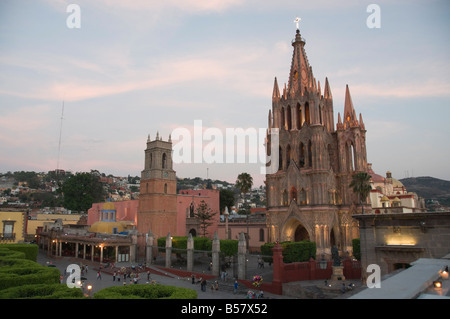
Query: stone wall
point(394, 241)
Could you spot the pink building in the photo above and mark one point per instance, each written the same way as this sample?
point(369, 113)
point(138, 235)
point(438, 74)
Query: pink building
point(187, 203)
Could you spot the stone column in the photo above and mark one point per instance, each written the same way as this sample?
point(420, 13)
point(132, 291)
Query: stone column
point(242, 256)
point(92, 252)
point(76, 250)
point(101, 253)
point(149, 247)
point(168, 250)
point(215, 255)
point(117, 254)
point(190, 253)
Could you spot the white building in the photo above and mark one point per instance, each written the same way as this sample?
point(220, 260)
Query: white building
point(389, 195)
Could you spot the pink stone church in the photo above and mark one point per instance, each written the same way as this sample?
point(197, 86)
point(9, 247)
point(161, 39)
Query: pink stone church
point(159, 209)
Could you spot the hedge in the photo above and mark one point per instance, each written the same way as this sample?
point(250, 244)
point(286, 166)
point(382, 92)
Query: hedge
point(146, 292)
point(292, 251)
point(30, 250)
point(227, 247)
point(41, 291)
point(16, 270)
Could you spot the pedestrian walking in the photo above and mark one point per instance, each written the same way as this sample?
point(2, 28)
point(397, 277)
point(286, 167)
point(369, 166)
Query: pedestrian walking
point(203, 285)
point(99, 275)
point(148, 275)
point(235, 287)
point(114, 276)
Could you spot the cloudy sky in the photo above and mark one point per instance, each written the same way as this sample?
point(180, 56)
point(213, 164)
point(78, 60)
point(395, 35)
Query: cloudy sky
point(133, 68)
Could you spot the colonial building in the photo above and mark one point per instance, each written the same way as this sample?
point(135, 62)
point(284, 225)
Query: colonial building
point(389, 195)
point(309, 197)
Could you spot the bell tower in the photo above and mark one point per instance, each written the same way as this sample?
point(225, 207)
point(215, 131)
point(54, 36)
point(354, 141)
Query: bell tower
point(157, 210)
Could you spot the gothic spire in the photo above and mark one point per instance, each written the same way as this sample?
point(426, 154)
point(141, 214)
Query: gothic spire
point(327, 91)
point(276, 91)
point(349, 111)
point(300, 75)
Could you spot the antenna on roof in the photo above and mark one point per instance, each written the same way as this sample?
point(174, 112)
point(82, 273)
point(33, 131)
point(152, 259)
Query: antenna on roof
point(59, 144)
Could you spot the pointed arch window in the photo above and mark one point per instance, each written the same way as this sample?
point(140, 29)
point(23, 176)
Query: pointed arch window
point(282, 117)
point(288, 156)
point(164, 160)
point(351, 159)
point(280, 159)
point(284, 198)
point(310, 154)
point(320, 114)
point(289, 118)
point(165, 188)
point(307, 119)
point(299, 116)
point(302, 197)
point(191, 210)
point(301, 159)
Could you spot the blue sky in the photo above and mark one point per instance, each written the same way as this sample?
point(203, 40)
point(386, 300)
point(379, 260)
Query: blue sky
point(137, 67)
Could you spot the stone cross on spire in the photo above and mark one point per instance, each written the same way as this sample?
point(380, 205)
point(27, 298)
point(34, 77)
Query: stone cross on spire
point(297, 21)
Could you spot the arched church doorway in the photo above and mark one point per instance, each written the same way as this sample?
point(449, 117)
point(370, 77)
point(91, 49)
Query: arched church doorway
point(193, 232)
point(301, 233)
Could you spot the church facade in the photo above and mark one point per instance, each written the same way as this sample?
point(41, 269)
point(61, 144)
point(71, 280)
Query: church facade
point(309, 197)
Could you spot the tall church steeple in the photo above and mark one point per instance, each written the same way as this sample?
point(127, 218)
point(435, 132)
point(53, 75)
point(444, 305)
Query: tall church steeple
point(300, 76)
point(315, 160)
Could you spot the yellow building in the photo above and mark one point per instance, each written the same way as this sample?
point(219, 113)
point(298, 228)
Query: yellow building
point(42, 218)
point(108, 223)
point(13, 225)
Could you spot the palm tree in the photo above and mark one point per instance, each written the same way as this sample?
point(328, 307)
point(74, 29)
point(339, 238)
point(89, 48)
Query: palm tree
point(361, 186)
point(244, 182)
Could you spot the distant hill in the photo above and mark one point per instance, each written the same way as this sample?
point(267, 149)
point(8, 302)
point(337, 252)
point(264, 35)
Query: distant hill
point(429, 188)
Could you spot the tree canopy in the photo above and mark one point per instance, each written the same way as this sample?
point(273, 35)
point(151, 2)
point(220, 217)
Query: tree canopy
point(204, 214)
point(244, 182)
point(81, 191)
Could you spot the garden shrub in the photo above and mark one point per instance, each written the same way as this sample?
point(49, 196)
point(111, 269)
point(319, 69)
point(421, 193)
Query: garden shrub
point(16, 270)
point(292, 251)
point(30, 250)
point(41, 291)
point(146, 292)
point(229, 247)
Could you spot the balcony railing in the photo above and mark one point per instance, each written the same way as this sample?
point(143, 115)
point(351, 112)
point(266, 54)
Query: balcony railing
point(8, 236)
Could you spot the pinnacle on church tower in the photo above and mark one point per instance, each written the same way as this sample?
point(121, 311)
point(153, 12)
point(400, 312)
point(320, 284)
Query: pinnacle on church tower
point(348, 106)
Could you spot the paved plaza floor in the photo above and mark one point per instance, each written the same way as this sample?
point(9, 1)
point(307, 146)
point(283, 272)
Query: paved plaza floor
point(157, 274)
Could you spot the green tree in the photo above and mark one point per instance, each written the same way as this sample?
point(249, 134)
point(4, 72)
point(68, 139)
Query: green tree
point(81, 191)
point(244, 182)
point(361, 186)
point(226, 199)
point(204, 214)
